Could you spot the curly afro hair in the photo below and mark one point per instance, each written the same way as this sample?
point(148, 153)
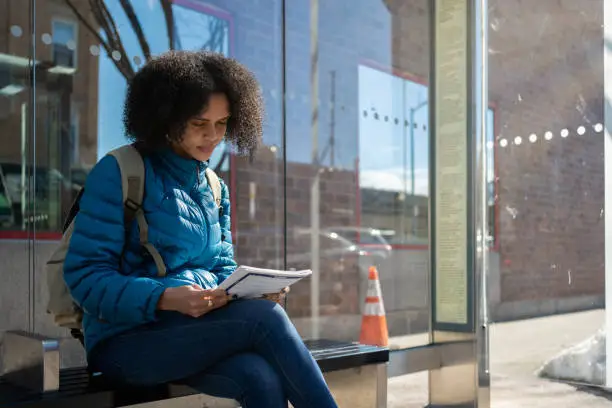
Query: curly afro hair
point(175, 86)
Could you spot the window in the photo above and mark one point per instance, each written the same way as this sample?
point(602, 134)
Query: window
point(64, 43)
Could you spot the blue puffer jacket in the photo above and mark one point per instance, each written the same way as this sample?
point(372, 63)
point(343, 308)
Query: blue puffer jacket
point(184, 226)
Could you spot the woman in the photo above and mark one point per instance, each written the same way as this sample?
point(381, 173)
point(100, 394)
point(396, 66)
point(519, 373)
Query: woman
point(142, 329)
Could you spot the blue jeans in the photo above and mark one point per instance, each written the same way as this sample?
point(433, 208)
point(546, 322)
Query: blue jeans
point(247, 350)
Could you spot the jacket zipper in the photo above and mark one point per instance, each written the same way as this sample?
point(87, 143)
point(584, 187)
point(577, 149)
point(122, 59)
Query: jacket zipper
point(198, 173)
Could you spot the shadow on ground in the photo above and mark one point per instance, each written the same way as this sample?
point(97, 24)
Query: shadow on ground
point(593, 390)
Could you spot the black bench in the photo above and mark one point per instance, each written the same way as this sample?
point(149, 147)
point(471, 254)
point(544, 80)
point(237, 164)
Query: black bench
point(79, 389)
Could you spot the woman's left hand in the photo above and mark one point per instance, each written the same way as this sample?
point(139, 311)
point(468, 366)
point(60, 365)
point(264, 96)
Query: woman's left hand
point(277, 297)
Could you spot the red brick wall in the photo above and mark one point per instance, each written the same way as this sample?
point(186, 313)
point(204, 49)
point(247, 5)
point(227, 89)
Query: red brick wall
point(546, 74)
point(260, 237)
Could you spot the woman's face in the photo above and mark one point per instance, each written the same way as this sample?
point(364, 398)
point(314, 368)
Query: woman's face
point(205, 130)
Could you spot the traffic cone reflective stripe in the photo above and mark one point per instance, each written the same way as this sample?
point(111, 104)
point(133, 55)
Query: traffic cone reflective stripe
point(374, 309)
point(374, 329)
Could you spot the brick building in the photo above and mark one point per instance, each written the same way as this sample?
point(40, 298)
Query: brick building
point(64, 112)
point(551, 193)
point(56, 66)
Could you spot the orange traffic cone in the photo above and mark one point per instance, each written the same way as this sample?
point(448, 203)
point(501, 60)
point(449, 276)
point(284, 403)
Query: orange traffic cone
point(374, 330)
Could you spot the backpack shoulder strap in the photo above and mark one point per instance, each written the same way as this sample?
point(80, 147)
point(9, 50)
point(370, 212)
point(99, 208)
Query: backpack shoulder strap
point(131, 166)
point(215, 185)
point(132, 170)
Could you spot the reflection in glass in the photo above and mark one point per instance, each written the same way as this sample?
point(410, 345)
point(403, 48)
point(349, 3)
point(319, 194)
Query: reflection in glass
point(16, 188)
point(80, 91)
point(357, 166)
point(15, 105)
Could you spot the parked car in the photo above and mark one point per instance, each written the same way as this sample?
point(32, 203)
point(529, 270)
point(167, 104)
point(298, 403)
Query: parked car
point(369, 241)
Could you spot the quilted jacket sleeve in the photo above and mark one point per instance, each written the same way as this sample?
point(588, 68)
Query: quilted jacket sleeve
point(226, 264)
point(91, 268)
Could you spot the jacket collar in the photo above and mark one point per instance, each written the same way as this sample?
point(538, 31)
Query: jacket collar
point(187, 172)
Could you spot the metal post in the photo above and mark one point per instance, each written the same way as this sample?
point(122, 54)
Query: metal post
point(24, 161)
point(412, 167)
point(31, 196)
point(412, 113)
point(315, 187)
point(458, 196)
point(404, 195)
point(332, 121)
point(481, 104)
point(608, 180)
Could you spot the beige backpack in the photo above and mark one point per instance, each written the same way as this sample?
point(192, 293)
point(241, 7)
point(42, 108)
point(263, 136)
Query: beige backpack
point(66, 313)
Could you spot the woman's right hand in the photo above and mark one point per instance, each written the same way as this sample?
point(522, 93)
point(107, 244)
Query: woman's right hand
point(192, 300)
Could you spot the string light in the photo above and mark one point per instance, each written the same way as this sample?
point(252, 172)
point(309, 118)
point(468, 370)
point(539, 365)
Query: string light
point(549, 135)
point(503, 142)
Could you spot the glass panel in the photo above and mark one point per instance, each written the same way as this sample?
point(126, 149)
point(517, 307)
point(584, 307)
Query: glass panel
point(547, 270)
point(15, 165)
point(357, 166)
point(80, 110)
point(258, 199)
point(80, 105)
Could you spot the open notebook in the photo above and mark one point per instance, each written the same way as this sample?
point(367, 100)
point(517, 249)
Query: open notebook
point(249, 282)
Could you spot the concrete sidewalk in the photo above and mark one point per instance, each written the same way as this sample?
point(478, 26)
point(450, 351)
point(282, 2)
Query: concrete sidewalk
point(518, 349)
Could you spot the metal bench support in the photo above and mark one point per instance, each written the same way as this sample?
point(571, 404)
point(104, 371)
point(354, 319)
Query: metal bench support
point(31, 361)
point(362, 387)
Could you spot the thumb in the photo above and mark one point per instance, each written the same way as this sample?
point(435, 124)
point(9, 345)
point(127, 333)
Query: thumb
point(195, 286)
